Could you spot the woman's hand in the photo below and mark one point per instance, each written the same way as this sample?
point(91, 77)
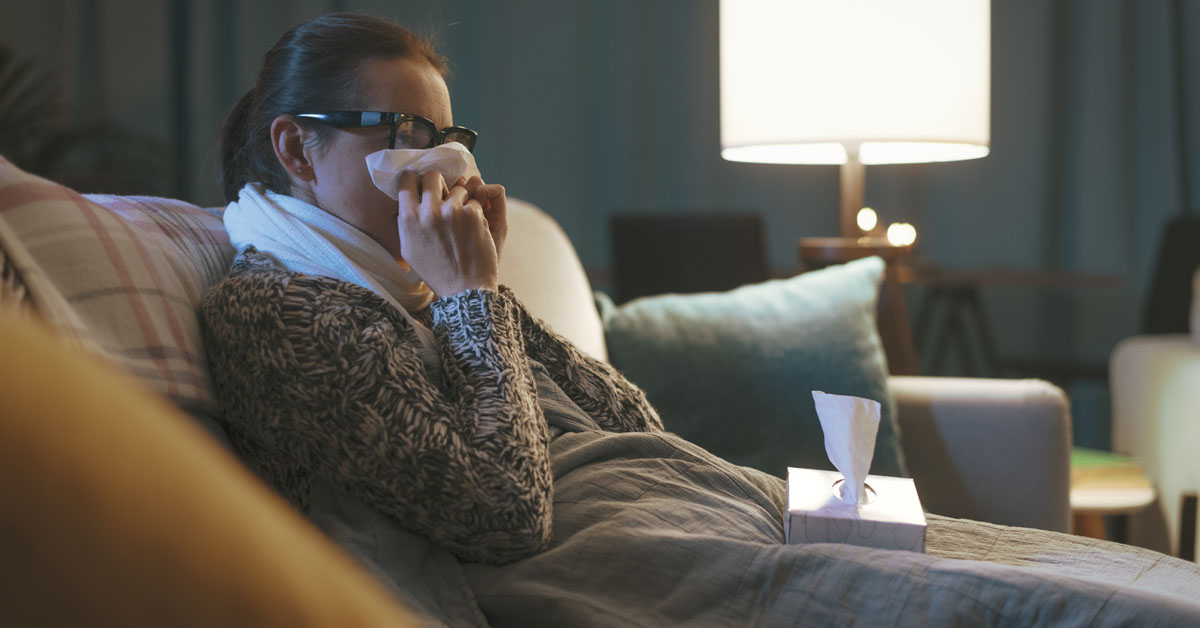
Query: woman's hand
point(445, 236)
point(495, 210)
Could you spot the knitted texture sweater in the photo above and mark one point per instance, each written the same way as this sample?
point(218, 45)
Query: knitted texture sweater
point(320, 378)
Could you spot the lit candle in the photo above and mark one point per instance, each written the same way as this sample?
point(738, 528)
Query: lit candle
point(901, 234)
point(867, 219)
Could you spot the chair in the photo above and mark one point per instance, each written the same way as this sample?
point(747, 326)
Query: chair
point(685, 252)
point(1171, 291)
point(1155, 386)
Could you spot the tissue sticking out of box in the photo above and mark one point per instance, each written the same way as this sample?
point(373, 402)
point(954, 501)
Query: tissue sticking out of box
point(850, 425)
point(837, 506)
point(451, 159)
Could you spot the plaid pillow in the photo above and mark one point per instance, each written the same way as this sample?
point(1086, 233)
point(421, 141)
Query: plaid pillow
point(119, 276)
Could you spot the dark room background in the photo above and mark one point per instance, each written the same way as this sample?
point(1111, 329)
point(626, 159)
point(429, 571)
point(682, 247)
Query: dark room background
point(591, 108)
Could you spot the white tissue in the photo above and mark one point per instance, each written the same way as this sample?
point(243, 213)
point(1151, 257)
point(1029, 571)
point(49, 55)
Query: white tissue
point(850, 425)
point(452, 159)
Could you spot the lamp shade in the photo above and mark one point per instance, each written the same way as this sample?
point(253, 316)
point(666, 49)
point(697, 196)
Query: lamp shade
point(827, 81)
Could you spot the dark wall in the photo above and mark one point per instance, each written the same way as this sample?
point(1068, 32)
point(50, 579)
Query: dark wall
point(592, 108)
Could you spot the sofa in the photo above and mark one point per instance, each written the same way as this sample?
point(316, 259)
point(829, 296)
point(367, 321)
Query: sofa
point(1154, 382)
point(985, 449)
point(116, 282)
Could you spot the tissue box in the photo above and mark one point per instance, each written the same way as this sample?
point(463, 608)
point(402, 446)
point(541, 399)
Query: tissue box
point(892, 520)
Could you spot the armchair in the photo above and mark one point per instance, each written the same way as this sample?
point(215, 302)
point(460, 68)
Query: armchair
point(1155, 386)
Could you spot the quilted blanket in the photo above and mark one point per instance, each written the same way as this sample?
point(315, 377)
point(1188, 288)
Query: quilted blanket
point(651, 530)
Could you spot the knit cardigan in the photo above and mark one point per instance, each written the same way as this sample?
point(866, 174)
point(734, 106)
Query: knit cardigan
point(320, 378)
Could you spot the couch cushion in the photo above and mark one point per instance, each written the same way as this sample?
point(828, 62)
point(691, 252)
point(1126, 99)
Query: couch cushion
point(734, 371)
point(120, 276)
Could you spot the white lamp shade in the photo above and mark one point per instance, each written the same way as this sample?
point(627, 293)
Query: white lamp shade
point(888, 81)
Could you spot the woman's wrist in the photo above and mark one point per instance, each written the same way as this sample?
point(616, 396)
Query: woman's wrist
point(456, 291)
point(472, 313)
point(467, 294)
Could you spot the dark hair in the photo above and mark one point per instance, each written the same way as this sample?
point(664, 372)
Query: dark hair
point(313, 67)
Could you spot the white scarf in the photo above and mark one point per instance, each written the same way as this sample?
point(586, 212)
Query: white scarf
point(307, 239)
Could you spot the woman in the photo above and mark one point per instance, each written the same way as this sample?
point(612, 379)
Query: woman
point(362, 346)
point(414, 394)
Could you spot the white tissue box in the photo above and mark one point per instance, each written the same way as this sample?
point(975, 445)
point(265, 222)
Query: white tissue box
point(892, 520)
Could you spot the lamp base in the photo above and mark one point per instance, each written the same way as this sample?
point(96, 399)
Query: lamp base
point(853, 184)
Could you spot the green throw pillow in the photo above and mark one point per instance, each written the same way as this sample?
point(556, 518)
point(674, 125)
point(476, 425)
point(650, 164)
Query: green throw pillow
point(734, 371)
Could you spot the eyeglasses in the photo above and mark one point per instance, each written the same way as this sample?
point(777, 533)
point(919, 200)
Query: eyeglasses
point(408, 130)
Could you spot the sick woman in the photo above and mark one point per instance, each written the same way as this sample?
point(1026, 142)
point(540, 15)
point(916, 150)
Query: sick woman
point(374, 371)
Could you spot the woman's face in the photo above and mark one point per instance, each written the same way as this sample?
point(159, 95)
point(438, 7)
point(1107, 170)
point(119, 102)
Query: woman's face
point(342, 185)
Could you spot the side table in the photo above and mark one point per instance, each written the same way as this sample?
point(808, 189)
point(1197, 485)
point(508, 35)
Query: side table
point(891, 313)
point(1104, 483)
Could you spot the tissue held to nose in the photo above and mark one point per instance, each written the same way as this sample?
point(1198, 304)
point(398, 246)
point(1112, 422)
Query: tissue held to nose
point(451, 159)
point(850, 425)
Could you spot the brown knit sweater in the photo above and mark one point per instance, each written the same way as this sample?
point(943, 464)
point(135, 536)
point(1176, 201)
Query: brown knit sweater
point(322, 378)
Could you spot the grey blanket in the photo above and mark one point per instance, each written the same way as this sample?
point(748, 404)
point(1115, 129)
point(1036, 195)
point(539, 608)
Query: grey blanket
point(651, 530)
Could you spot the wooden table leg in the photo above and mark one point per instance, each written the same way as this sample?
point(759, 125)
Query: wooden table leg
point(1187, 527)
point(894, 329)
point(1090, 525)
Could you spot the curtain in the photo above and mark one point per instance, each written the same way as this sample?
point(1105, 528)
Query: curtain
point(593, 108)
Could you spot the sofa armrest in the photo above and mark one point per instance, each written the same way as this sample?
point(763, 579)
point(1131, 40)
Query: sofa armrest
point(117, 510)
point(988, 449)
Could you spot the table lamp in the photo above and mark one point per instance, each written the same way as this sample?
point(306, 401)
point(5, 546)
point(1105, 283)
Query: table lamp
point(854, 82)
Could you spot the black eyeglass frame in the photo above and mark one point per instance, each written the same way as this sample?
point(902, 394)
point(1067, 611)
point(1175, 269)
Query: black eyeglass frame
point(365, 119)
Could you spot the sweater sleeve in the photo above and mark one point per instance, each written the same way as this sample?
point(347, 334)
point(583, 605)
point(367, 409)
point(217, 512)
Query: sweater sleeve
point(616, 403)
point(466, 465)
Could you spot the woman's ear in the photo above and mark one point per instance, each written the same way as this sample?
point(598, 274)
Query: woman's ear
point(287, 138)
